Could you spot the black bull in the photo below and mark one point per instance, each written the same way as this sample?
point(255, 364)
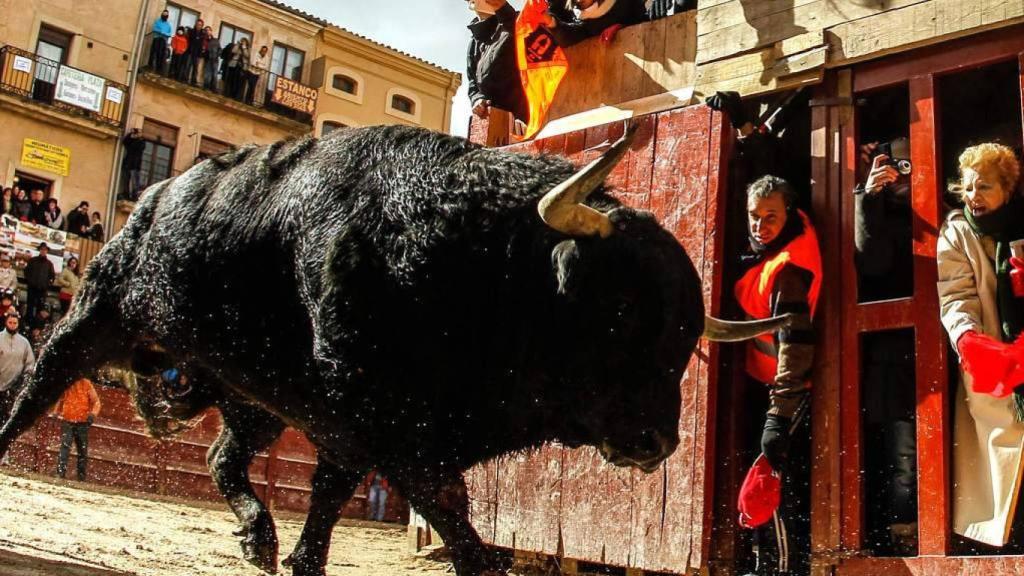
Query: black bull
point(412, 302)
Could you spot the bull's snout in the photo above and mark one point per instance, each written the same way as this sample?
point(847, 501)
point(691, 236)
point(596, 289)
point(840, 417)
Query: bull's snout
point(646, 451)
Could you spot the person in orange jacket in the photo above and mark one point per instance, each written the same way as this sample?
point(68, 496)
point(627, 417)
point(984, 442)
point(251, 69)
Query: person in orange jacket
point(179, 46)
point(782, 274)
point(77, 408)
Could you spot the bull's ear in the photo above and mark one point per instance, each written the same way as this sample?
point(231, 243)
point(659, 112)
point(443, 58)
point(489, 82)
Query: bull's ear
point(565, 259)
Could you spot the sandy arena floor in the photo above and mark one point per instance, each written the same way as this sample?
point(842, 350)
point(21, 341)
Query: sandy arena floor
point(50, 529)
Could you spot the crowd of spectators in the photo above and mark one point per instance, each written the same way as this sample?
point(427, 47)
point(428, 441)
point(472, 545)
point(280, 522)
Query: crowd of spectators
point(196, 56)
point(35, 208)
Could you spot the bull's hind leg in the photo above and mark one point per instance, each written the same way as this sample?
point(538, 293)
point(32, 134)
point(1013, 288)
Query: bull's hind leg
point(441, 497)
point(247, 430)
point(332, 487)
point(87, 338)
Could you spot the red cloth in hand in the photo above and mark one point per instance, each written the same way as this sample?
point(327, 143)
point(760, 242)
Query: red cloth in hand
point(1017, 276)
point(760, 494)
point(996, 368)
point(609, 33)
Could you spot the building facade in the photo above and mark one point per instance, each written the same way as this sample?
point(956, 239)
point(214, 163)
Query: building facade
point(75, 81)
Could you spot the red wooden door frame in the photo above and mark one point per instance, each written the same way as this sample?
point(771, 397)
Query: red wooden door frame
point(934, 423)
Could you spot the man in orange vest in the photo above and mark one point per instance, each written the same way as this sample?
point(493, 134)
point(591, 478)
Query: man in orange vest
point(76, 409)
point(783, 275)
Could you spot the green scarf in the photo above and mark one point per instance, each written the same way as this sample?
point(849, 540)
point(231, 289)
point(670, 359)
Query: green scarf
point(1005, 225)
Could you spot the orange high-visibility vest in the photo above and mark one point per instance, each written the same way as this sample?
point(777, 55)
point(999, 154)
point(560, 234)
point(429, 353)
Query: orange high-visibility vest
point(754, 291)
point(542, 63)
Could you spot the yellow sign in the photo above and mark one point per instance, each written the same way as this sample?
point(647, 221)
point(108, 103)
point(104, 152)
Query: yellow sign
point(294, 95)
point(49, 157)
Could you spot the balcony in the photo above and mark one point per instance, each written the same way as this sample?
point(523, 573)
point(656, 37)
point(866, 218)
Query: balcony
point(254, 88)
point(68, 89)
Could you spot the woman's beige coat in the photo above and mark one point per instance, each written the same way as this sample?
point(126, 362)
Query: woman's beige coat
point(69, 281)
point(988, 440)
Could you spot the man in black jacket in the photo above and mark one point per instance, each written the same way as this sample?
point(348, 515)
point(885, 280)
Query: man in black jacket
point(197, 42)
point(39, 275)
point(597, 17)
point(78, 219)
point(134, 146)
point(491, 67)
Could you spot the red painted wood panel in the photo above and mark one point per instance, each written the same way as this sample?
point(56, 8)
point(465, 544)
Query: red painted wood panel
point(529, 500)
point(933, 566)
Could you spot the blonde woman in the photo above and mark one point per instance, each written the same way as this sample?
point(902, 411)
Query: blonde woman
point(983, 317)
point(69, 281)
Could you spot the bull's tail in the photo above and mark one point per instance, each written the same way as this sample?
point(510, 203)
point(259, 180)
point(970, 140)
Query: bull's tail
point(84, 340)
point(725, 331)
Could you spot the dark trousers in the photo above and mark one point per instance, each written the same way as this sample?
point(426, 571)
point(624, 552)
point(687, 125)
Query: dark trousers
point(79, 432)
point(36, 297)
point(158, 55)
point(7, 398)
point(783, 545)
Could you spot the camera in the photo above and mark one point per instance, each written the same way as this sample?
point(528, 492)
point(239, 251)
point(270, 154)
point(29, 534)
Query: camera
point(898, 152)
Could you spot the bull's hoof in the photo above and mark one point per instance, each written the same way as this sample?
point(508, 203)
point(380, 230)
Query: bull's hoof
point(259, 548)
point(303, 568)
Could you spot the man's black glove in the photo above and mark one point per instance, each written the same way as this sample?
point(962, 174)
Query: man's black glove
point(775, 442)
point(90, 419)
point(730, 103)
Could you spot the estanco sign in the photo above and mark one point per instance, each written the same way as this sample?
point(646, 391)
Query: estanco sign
point(79, 89)
point(294, 95)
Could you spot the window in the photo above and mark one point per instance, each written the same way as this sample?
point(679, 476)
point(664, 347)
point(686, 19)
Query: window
point(181, 16)
point(52, 48)
point(345, 84)
point(209, 147)
point(286, 61)
point(158, 157)
point(329, 126)
point(403, 104)
point(229, 34)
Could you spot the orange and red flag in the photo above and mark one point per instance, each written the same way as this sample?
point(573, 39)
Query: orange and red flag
point(542, 63)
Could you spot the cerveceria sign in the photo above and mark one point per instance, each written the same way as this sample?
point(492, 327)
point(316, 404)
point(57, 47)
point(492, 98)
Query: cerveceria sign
point(294, 95)
point(49, 157)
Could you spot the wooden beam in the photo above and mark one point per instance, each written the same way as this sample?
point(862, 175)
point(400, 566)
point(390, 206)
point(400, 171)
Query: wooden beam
point(733, 12)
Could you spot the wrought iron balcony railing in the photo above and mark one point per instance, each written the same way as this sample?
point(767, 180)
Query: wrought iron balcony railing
point(69, 89)
point(245, 83)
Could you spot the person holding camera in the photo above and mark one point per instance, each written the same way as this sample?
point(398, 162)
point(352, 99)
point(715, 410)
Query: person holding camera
point(492, 72)
point(884, 261)
point(77, 409)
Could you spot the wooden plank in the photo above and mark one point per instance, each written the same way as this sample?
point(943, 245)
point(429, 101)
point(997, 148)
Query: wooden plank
point(932, 566)
point(771, 28)
point(529, 492)
point(733, 12)
point(482, 483)
point(933, 388)
point(597, 507)
point(916, 25)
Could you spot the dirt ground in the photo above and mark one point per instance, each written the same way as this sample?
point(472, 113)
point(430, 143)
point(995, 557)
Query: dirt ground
point(70, 529)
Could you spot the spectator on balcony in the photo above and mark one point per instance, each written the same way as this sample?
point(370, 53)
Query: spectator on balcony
point(77, 409)
point(53, 217)
point(7, 302)
point(78, 219)
point(22, 207)
point(39, 275)
point(158, 49)
point(37, 200)
point(40, 328)
point(662, 8)
point(595, 17)
point(197, 43)
point(212, 61)
point(8, 276)
point(69, 281)
point(16, 361)
point(238, 67)
point(131, 165)
point(8, 201)
point(255, 78)
point(96, 230)
point(179, 54)
point(491, 67)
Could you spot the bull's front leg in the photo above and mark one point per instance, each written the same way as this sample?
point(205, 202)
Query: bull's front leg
point(247, 431)
point(332, 487)
point(441, 496)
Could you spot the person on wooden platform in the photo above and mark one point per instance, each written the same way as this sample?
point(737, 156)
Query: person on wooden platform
point(492, 72)
point(782, 275)
point(77, 409)
point(981, 298)
point(884, 260)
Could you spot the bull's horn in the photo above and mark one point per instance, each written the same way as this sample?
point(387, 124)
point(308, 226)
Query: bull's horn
point(717, 330)
point(562, 208)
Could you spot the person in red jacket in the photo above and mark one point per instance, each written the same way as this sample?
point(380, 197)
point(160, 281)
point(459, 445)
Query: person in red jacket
point(179, 46)
point(782, 275)
point(77, 408)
